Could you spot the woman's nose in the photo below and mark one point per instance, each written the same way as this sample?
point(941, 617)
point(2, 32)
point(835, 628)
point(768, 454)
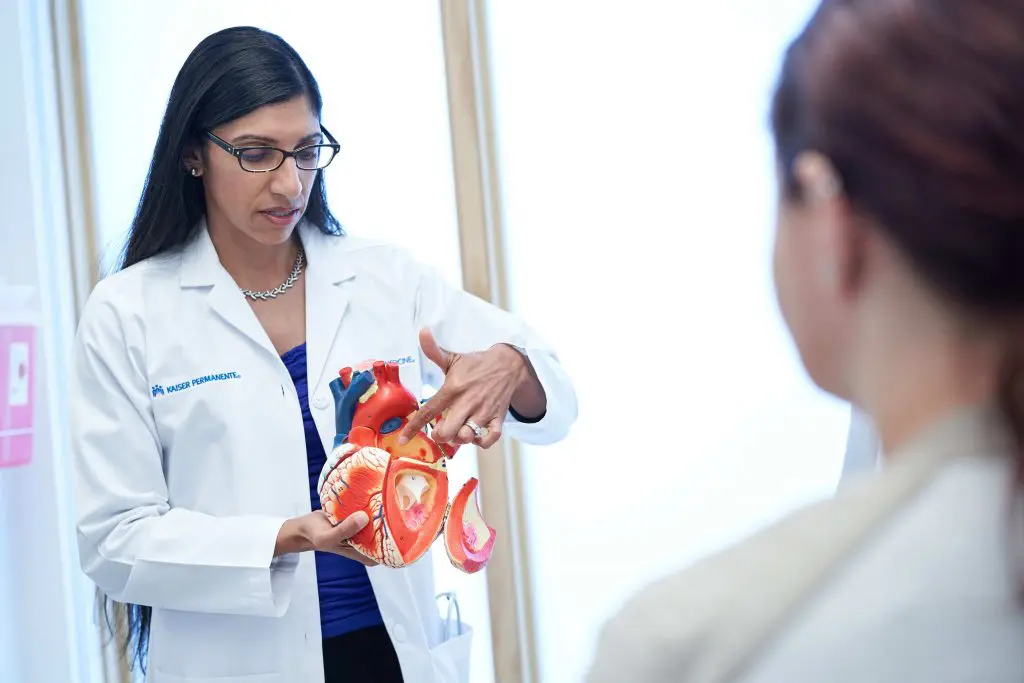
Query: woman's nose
point(287, 180)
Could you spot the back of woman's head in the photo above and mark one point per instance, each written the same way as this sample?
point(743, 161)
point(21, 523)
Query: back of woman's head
point(229, 74)
point(918, 104)
point(918, 107)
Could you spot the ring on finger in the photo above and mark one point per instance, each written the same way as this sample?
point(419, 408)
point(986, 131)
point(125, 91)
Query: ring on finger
point(479, 431)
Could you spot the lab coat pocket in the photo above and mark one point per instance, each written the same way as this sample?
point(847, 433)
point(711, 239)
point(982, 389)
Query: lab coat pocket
point(451, 657)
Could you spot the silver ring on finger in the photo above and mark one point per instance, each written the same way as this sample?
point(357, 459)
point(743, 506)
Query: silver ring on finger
point(479, 431)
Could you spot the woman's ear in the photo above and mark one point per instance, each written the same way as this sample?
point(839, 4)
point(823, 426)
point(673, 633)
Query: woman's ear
point(817, 176)
point(840, 237)
point(193, 162)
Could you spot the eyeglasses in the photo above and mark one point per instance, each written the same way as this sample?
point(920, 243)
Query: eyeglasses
point(264, 159)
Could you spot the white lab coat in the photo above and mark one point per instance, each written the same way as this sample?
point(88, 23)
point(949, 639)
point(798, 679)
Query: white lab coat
point(190, 452)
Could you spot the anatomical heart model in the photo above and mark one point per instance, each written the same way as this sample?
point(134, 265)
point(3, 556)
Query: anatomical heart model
point(403, 489)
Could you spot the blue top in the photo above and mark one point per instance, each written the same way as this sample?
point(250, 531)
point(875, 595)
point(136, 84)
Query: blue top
point(347, 602)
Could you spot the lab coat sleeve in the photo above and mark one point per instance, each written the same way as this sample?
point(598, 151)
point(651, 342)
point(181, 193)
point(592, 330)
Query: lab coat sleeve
point(464, 323)
point(133, 544)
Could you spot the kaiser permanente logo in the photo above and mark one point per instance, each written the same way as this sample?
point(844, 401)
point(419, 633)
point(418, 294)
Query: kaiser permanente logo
point(160, 390)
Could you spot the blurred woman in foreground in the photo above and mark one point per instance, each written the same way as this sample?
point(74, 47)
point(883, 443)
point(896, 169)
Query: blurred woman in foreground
point(899, 267)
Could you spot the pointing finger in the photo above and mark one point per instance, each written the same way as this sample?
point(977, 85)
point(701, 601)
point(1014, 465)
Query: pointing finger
point(435, 406)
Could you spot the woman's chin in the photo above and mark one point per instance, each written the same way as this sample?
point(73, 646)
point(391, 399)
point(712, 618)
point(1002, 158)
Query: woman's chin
point(270, 233)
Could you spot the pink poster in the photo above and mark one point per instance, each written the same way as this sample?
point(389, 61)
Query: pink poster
point(17, 369)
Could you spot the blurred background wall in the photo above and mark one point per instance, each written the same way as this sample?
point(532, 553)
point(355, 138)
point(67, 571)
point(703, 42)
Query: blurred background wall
point(46, 631)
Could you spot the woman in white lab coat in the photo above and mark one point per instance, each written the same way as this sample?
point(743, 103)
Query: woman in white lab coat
point(899, 265)
point(201, 408)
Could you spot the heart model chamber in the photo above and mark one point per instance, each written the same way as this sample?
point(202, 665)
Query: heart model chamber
point(402, 488)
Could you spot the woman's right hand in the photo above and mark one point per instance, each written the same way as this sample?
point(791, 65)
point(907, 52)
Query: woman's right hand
point(315, 532)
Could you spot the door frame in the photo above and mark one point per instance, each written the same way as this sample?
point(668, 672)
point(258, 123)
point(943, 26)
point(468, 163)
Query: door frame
point(485, 274)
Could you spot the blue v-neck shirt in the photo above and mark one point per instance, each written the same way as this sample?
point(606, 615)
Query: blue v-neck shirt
point(347, 601)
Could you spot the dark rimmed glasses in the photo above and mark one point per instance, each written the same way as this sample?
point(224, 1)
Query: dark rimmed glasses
point(264, 159)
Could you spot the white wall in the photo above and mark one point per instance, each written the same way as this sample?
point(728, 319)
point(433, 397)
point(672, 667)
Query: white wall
point(639, 196)
point(45, 629)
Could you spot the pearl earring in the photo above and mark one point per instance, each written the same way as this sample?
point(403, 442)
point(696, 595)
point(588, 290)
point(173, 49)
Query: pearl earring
point(195, 172)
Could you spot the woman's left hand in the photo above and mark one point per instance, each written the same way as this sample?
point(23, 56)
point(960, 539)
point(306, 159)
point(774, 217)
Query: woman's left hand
point(478, 387)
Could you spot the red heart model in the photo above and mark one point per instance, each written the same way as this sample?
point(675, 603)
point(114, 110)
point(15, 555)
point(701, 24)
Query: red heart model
point(402, 488)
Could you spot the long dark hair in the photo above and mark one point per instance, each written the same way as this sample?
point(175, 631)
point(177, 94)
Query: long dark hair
point(228, 75)
point(919, 104)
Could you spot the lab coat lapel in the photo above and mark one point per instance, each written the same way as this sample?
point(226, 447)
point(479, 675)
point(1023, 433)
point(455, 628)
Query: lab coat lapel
point(201, 267)
point(327, 300)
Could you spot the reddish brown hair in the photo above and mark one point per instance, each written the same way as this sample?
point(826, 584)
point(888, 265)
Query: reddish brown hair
point(920, 106)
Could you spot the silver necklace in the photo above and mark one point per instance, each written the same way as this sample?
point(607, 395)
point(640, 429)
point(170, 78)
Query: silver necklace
point(300, 262)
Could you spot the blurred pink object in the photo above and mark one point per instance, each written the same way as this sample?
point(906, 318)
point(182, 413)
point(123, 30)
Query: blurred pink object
point(17, 375)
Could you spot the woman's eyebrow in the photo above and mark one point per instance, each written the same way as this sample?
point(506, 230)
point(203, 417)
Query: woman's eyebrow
point(266, 140)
